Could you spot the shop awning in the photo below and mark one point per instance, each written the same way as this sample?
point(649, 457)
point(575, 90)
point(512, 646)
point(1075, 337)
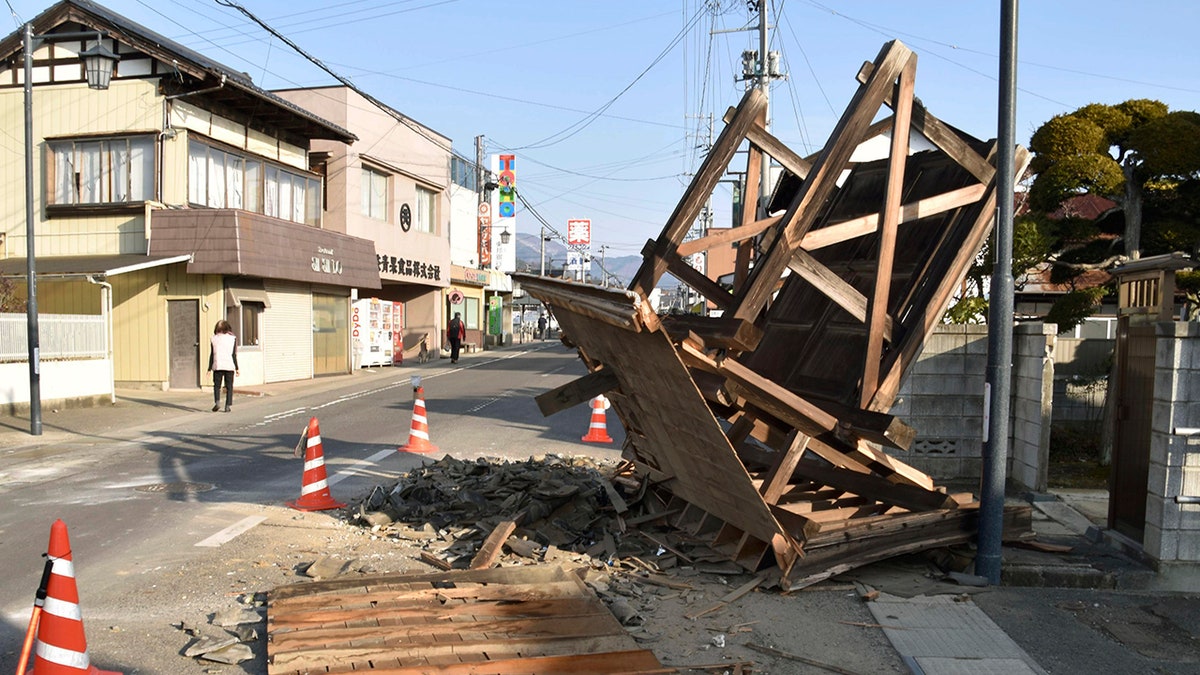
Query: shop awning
point(79, 266)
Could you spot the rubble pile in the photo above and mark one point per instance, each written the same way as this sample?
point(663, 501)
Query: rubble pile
point(553, 503)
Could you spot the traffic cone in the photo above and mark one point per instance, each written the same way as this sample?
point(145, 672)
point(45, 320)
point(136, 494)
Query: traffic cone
point(61, 645)
point(598, 429)
point(418, 433)
point(314, 492)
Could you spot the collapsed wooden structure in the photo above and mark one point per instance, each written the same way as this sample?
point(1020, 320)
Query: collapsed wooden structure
point(469, 622)
point(765, 425)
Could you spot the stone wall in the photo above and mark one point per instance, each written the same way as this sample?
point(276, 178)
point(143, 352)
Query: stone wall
point(942, 398)
point(1173, 529)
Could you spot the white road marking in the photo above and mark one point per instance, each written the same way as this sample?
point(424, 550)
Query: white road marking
point(231, 531)
point(353, 469)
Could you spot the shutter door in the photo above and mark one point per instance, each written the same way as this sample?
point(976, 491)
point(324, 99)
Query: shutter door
point(287, 332)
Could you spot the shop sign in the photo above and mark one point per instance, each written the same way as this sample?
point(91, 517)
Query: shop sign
point(390, 264)
point(325, 263)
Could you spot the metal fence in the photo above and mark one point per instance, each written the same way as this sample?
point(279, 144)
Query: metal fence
point(60, 337)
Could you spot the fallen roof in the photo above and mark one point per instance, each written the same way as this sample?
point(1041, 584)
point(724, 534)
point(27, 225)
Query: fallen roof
point(766, 423)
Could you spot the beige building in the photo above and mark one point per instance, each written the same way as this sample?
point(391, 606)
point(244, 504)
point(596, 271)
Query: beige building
point(181, 195)
point(392, 187)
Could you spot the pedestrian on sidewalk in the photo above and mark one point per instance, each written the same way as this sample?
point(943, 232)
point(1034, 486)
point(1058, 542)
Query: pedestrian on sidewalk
point(456, 332)
point(222, 362)
point(541, 326)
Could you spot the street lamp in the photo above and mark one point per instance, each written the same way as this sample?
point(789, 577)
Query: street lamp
point(98, 64)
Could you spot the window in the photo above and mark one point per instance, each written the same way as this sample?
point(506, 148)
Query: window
point(471, 313)
point(248, 323)
point(374, 194)
point(103, 171)
point(225, 180)
point(425, 212)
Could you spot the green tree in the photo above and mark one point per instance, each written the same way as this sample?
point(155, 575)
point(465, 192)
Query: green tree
point(1125, 152)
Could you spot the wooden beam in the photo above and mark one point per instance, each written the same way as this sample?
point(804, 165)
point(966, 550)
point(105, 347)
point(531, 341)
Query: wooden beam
point(491, 547)
point(941, 135)
point(714, 332)
point(878, 320)
point(822, 180)
point(778, 400)
point(711, 290)
point(920, 327)
point(875, 487)
point(833, 287)
point(726, 236)
point(576, 391)
point(775, 483)
point(869, 224)
point(749, 111)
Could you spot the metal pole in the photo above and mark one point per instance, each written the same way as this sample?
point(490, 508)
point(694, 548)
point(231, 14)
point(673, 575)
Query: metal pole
point(543, 252)
point(31, 313)
point(1000, 314)
point(764, 85)
point(603, 269)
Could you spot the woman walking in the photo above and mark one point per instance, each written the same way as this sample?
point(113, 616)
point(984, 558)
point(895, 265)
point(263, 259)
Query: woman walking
point(222, 361)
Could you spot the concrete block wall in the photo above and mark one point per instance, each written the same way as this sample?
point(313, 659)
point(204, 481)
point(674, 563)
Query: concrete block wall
point(1172, 529)
point(1032, 403)
point(942, 398)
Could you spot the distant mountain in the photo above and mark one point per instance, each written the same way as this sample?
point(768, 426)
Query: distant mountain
point(622, 268)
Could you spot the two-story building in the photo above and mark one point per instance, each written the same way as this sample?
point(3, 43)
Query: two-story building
point(181, 195)
point(393, 187)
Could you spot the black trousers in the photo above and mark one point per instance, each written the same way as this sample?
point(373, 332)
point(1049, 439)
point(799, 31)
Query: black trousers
point(227, 377)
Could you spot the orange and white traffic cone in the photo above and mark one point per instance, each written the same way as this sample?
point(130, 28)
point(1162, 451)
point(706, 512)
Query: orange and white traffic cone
point(61, 644)
point(598, 428)
point(418, 434)
point(314, 490)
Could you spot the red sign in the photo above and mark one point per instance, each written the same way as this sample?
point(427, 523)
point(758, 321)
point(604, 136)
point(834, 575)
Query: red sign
point(579, 232)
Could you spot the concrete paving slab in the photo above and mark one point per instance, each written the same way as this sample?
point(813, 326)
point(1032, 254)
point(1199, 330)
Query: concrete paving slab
point(943, 666)
point(950, 635)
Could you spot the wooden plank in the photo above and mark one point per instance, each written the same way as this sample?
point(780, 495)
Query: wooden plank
point(640, 662)
point(763, 140)
point(879, 322)
point(876, 487)
point(777, 479)
point(869, 224)
point(805, 208)
point(777, 399)
point(748, 112)
point(727, 236)
point(576, 391)
point(493, 545)
point(834, 287)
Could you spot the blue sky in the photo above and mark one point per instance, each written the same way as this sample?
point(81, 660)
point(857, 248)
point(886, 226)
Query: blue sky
point(604, 104)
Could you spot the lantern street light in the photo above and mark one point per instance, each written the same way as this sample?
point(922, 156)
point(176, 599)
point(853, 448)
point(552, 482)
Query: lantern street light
point(98, 62)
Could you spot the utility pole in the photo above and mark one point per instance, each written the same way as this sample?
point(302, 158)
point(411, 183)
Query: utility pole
point(1000, 314)
point(542, 243)
point(480, 177)
point(764, 85)
point(603, 269)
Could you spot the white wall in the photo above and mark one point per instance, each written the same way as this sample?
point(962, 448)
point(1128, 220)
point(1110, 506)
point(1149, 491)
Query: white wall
point(59, 380)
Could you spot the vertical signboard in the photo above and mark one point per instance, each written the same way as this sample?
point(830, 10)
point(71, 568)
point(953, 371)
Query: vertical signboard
point(495, 315)
point(485, 235)
point(507, 181)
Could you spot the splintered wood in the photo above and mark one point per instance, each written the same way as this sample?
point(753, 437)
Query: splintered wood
point(767, 426)
point(500, 621)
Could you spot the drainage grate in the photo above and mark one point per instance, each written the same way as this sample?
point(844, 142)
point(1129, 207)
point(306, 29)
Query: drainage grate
point(176, 488)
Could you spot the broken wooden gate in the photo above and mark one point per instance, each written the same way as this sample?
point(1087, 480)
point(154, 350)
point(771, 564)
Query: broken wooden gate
point(764, 424)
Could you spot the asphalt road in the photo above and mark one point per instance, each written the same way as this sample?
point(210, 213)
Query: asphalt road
point(139, 501)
